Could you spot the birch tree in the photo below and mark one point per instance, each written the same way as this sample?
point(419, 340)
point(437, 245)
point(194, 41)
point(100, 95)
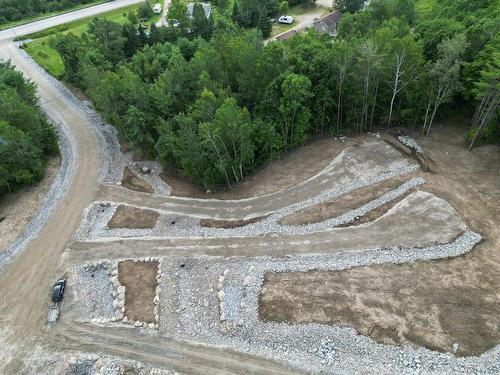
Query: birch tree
point(405, 57)
point(444, 77)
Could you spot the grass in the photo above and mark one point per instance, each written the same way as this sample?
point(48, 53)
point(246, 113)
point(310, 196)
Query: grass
point(39, 17)
point(297, 10)
point(47, 57)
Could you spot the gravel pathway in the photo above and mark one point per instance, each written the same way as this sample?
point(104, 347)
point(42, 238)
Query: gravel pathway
point(191, 309)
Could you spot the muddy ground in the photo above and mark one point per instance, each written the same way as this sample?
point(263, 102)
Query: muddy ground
point(130, 181)
point(18, 209)
point(293, 168)
point(139, 279)
point(227, 224)
point(431, 303)
point(133, 218)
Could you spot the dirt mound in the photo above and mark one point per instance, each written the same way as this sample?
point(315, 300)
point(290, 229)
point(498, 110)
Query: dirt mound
point(133, 218)
point(130, 181)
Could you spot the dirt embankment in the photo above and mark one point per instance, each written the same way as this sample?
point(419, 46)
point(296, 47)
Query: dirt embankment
point(345, 203)
point(431, 303)
point(293, 168)
point(17, 210)
point(130, 181)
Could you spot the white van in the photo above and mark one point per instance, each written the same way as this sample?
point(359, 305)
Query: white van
point(286, 19)
point(157, 8)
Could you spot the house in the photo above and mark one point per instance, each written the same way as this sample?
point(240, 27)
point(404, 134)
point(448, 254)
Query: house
point(157, 8)
point(328, 24)
point(207, 8)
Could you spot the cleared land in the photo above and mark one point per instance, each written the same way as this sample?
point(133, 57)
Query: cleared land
point(434, 303)
point(18, 209)
point(133, 218)
point(139, 279)
point(130, 181)
point(338, 206)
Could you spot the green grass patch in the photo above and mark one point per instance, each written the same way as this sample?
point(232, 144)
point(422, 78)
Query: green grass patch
point(279, 28)
point(46, 56)
point(40, 50)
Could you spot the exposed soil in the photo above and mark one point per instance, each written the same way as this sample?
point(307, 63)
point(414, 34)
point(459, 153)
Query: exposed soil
point(227, 224)
point(133, 218)
point(429, 303)
point(130, 181)
point(17, 209)
point(340, 205)
point(293, 168)
point(139, 279)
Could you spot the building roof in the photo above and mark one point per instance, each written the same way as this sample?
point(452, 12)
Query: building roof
point(328, 24)
point(207, 8)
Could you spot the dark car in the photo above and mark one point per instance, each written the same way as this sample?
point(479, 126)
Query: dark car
point(58, 291)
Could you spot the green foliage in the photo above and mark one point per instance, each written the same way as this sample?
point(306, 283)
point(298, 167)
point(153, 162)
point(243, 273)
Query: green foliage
point(26, 138)
point(210, 99)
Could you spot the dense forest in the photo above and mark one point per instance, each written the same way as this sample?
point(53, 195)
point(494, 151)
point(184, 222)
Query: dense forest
point(26, 138)
point(210, 98)
point(15, 10)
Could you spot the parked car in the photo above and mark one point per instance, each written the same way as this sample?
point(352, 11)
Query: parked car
point(286, 19)
point(173, 22)
point(58, 290)
point(157, 8)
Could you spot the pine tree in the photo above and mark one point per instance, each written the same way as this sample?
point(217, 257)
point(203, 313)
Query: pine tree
point(236, 15)
point(264, 23)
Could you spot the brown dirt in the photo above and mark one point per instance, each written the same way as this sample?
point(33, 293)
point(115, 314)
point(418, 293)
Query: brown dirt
point(340, 205)
point(227, 224)
point(289, 170)
point(133, 218)
point(431, 303)
point(130, 181)
point(139, 279)
point(17, 209)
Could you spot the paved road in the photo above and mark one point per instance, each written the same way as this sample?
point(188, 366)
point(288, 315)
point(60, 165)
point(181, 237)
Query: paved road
point(64, 18)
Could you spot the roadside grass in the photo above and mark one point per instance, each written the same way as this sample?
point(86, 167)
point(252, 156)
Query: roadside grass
point(39, 47)
point(39, 17)
point(295, 11)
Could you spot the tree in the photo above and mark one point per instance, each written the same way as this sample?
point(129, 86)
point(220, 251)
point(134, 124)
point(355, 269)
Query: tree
point(444, 75)
point(70, 48)
point(283, 7)
point(178, 11)
point(145, 12)
point(132, 17)
point(293, 109)
point(264, 23)
point(109, 39)
point(405, 63)
point(236, 14)
point(200, 24)
point(350, 6)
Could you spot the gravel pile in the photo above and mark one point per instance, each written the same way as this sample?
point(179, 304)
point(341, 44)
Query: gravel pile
point(92, 364)
point(411, 143)
point(149, 171)
point(96, 292)
point(190, 310)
